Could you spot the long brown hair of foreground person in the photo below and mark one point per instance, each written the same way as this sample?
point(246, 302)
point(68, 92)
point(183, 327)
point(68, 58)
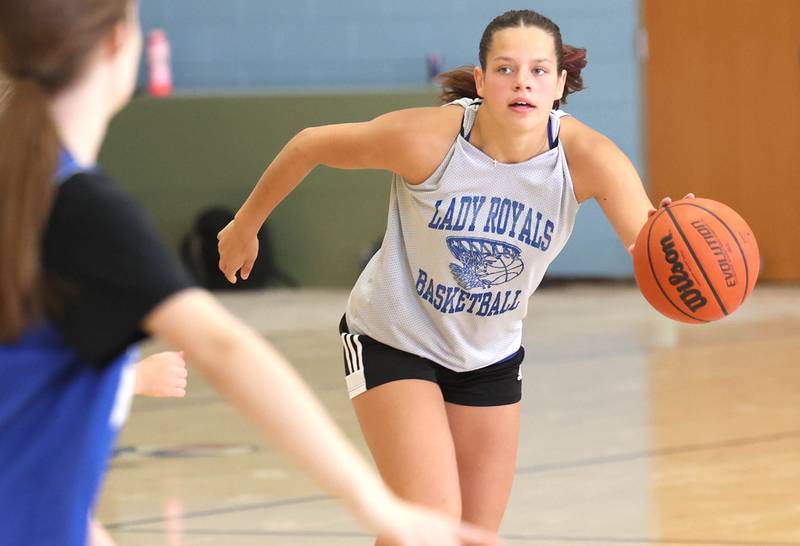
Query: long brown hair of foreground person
point(28, 140)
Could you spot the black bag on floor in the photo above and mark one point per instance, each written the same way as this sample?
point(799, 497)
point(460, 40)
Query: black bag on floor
point(200, 255)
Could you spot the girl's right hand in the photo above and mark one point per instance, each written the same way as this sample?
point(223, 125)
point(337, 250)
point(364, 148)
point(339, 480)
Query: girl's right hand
point(237, 252)
point(404, 524)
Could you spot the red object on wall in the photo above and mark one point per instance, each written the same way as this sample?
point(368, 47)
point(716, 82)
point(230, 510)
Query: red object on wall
point(159, 82)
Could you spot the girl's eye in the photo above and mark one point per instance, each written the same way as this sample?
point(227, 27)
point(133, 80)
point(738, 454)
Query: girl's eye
point(539, 71)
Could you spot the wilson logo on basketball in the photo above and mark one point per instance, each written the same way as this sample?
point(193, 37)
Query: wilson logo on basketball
point(718, 250)
point(680, 279)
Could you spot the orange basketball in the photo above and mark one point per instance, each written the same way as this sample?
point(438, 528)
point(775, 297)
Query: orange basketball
point(696, 260)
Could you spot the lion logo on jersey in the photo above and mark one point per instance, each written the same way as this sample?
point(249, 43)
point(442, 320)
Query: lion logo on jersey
point(484, 263)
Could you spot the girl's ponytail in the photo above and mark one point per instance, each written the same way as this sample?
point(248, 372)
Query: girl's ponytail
point(457, 84)
point(573, 61)
point(28, 158)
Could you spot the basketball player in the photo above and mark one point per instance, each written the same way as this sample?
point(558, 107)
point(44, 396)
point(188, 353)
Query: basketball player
point(484, 196)
point(83, 275)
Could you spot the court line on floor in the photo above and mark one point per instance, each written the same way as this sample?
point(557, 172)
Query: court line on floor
point(641, 540)
point(522, 470)
point(507, 537)
point(252, 532)
point(220, 511)
point(168, 404)
point(677, 450)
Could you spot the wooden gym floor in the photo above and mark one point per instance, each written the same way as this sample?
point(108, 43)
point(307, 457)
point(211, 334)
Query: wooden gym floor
point(635, 431)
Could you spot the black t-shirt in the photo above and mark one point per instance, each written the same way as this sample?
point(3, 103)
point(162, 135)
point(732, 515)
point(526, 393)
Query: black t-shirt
point(105, 267)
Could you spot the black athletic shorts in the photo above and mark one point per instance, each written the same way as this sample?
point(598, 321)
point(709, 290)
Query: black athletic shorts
point(369, 363)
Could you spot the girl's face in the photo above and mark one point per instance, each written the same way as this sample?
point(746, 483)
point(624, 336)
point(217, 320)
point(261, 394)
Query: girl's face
point(521, 80)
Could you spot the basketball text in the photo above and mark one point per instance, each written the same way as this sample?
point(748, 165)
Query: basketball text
point(452, 299)
point(680, 279)
point(718, 250)
point(502, 217)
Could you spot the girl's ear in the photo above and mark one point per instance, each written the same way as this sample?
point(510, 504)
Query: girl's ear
point(477, 73)
point(562, 82)
point(115, 39)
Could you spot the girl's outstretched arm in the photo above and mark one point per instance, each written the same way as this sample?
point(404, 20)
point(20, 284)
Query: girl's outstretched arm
point(409, 142)
point(600, 170)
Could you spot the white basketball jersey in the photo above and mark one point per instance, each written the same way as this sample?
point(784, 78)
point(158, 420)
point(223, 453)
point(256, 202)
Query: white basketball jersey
point(463, 252)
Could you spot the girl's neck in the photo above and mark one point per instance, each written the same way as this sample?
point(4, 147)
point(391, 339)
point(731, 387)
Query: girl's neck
point(81, 114)
point(504, 146)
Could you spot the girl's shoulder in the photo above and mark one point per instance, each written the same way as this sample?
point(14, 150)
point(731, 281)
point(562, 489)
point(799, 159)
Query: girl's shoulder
point(591, 156)
point(423, 137)
point(434, 121)
point(581, 142)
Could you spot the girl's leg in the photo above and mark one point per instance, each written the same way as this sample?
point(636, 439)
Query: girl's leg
point(486, 440)
point(405, 425)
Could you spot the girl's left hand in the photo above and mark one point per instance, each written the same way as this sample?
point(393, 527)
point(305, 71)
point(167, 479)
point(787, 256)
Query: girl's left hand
point(162, 375)
point(667, 201)
point(664, 202)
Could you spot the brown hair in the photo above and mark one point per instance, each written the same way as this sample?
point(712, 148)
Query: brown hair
point(44, 44)
point(460, 82)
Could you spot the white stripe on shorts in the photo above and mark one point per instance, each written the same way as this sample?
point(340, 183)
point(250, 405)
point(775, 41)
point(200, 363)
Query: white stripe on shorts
point(356, 382)
point(359, 356)
point(347, 354)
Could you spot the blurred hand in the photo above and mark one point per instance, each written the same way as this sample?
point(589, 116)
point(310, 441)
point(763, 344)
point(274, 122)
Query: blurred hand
point(237, 252)
point(667, 201)
point(403, 524)
point(664, 202)
point(162, 374)
point(98, 536)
